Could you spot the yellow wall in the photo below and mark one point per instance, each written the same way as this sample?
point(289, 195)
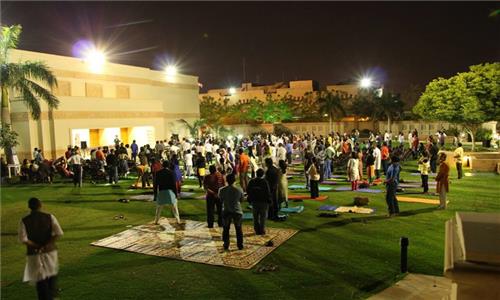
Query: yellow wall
point(98, 101)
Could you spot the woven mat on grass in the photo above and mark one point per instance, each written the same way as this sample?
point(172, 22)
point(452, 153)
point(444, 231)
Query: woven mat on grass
point(192, 241)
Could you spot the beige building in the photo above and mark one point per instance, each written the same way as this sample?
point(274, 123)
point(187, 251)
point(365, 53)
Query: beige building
point(128, 102)
point(350, 89)
point(262, 92)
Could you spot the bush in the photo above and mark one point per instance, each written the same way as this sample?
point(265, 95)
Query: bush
point(279, 129)
point(483, 134)
point(452, 131)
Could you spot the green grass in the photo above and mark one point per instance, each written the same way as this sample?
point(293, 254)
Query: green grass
point(349, 257)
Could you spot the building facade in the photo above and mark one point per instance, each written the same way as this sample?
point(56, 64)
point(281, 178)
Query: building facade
point(248, 91)
point(128, 102)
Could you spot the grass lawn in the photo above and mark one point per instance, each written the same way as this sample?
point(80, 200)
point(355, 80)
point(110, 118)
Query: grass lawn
point(349, 257)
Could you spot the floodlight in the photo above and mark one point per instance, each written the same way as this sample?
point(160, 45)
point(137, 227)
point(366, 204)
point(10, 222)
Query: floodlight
point(232, 90)
point(365, 82)
point(95, 60)
point(171, 70)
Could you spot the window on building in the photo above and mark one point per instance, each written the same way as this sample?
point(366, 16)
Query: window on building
point(123, 92)
point(93, 90)
point(63, 88)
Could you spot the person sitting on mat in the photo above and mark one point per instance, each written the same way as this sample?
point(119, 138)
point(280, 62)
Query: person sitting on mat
point(259, 196)
point(231, 198)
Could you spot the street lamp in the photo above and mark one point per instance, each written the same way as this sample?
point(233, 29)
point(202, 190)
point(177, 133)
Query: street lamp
point(365, 82)
point(95, 60)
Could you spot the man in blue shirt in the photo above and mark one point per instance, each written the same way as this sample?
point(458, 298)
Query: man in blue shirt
point(289, 151)
point(135, 149)
point(392, 182)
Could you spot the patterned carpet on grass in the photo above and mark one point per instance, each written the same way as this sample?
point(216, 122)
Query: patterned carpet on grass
point(193, 241)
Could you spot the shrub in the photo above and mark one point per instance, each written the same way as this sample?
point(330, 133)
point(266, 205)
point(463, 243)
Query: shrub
point(483, 134)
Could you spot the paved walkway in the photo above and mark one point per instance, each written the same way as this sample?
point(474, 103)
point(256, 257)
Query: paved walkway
point(417, 287)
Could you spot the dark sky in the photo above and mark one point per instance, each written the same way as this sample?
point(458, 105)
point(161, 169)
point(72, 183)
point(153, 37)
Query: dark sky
point(399, 43)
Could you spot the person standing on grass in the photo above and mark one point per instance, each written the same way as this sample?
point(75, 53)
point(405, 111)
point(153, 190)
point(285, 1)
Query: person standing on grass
point(243, 167)
point(378, 160)
point(212, 183)
point(112, 162)
point(353, 171)
point(272, 178)
point(75, 161)
point(165, 192)
point(424, 166)
point(259, 196)
point(370, 168)
point(231, 198)
point(201, 164)
point(39, 232)
point(459, 155)
point(283, 184)
point(384, 155)
point(392, 182)
point(314, 177)
point(442, 180)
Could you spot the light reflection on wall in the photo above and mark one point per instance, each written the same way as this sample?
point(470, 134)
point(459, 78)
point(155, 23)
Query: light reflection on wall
point(143, 135)
point(80, 135)
point(108, 136)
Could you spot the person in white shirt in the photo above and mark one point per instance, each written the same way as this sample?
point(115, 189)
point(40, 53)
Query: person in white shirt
point(378, 161)
point(386, 137)
point(410, 139)
point(188, 160)
point(281, 153)
point(75, 161)
point(401, 138)
point(39, 231)
point(209, 151)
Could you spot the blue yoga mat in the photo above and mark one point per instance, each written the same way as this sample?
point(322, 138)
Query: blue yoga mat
point(247, 216)
point(346, 188)
point(327, 207)
point(295, 209)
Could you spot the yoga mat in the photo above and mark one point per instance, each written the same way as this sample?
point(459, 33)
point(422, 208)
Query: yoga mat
point(299, 187)
point(296, 209)
point(191, 186)
point(417, 200)
point(200, 197)
point(248, 216)
point(418, 174)
point(414, 185)
point(346, 188)
point(327, 207)
point(307, 197)
point(142, 197)
point(186, 195)
point(355, 210)
point(337, 176)
point(192, 241)
point(329, 182)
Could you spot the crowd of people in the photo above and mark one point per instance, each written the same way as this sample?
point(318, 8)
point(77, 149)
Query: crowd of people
point(261, 164)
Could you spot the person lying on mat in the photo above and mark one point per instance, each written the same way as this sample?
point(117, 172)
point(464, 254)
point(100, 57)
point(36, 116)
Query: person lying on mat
point(231, 198)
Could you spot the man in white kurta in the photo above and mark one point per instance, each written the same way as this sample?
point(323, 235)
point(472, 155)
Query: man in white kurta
point(38, 231)
point(378, 161)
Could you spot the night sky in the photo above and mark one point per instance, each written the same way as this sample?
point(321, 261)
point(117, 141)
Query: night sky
point(400, 44)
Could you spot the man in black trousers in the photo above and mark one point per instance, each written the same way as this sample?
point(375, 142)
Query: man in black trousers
point(231, 197)
point(259, 196)
point(272, 178)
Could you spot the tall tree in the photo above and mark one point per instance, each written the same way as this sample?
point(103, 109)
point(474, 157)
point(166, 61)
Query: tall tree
point(195, 127)
point(332, 104)
point(30, 81)
point(467, 99)
point(388, 106)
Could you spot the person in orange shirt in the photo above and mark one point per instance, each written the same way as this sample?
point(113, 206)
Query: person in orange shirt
point(243, 167)
point(384, 151)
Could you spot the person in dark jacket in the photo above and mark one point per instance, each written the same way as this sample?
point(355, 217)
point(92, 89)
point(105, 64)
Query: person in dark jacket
point(272, 178)
point(112, 162)
point(165, 191)
point(212, 183)
point(259, 196)
point(39, 232)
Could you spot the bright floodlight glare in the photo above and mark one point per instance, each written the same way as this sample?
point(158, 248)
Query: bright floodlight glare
point(232, 90)
point(95, 60)
point(366, 82)
point(171, 70)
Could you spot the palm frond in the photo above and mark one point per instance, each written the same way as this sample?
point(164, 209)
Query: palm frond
point(30, 100)
point(43, 93)
point(9, 39)
point(38, 71)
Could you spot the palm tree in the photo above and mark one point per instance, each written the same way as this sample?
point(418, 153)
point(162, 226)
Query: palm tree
point(331, 103)
point(389, 105)
point(26, 79)
point(194, 129)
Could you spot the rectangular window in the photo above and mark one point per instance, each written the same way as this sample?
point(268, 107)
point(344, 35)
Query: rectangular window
point(63, 88)
point(123, 92)
point(93, 90)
